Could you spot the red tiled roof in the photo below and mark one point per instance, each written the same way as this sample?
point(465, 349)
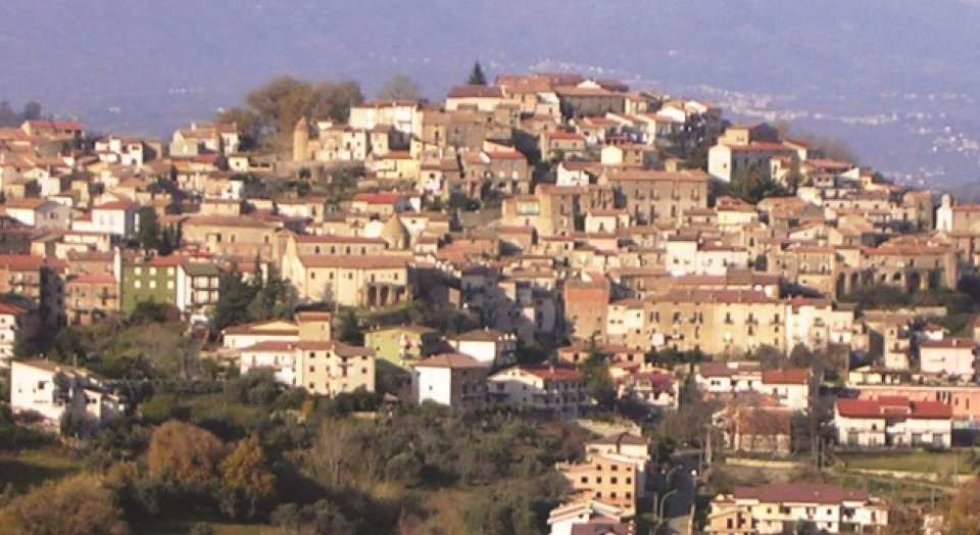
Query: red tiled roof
point(893, 407)
point(552, 373)
point(795, 376)
point(354, 262)
point(571, 136)
point(22, 262)
point(800, 493)
point(761, 146)
point(378, 198)
point(506, 155)
point(716, 369)
point(333, 238)
point(7, 309)
point(55, 125)
point(654, 175)
point(476, 91)
point(451, 360)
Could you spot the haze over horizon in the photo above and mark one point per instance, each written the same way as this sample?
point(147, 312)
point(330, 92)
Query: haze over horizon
point(894, 78)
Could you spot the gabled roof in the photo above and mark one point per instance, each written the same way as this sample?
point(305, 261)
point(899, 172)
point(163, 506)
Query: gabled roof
point(481, 335)
point(794, 376)
point(800, 493)
point(894, 407)
point(354, 262)
point(476, 91)
point(453, 361)
point(275, 327)
point(549, 373)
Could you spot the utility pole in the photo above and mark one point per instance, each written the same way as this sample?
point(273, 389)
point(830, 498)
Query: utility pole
point(708, 448)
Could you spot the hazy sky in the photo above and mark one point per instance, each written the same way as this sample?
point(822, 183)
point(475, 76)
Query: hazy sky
point(148, 65)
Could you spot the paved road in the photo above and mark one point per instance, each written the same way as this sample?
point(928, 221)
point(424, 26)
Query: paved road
point(677, 507)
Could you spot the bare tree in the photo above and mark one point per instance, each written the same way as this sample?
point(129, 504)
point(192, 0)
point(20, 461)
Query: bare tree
point(400, 87)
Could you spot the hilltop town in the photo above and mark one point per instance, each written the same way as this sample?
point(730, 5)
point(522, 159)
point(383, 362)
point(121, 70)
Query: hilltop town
point(547, 303)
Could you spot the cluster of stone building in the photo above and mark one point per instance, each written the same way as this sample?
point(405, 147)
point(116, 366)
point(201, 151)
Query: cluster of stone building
point(598, 229)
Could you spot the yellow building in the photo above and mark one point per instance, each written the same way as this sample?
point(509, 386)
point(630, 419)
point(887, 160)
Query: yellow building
point(238, 237)
point(355, 281)
point(330, 368)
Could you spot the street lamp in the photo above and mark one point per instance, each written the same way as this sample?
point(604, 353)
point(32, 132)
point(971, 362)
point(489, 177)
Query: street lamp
point(658, 509)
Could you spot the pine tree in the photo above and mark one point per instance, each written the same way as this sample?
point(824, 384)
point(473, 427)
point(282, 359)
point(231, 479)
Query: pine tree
point(149, 231)
point(476, 75)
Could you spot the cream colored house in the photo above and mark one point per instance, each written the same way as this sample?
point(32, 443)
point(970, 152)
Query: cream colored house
point(362, 280)
point(556, 389)
point(893, 422)
point(778, 507)
point(330, 368)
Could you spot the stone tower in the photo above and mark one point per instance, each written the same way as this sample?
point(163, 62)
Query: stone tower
point(301, 140)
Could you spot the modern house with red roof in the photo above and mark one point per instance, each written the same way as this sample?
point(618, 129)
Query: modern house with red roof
point(478, 97)
point(778, 507)
point(541, 387)
point(789, 387)
point(893, 422)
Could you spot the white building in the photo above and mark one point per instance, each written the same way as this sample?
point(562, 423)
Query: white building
point(451, 379)
point(789, 387)
point(117, 150)
point(731, 162)
point(403, 116)
point(954, 357)
point(778, 507)
point(277, 357)
point(117, 218)
point(247, 335)
point(40, 213)
point(816, 322)
point(488, 346)
point(53, 390)
point(893, 422)
point(685, 256)
point(13, 320)
point(565, 517)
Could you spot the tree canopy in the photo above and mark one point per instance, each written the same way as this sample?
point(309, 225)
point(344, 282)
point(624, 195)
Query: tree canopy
point(241, 301)
point(275, 108)
point(400, 87)
point(185, 454)
point(9, 117)
point(76, 506)
point(755, 186)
